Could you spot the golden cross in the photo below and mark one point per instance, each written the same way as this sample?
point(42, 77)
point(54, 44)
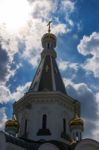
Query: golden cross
point(49, 26)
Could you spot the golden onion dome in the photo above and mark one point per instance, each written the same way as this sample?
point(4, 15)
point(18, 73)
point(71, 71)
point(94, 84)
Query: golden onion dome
point(12, 123)
point(49, 39)
point(47, 35)
point(76, 121)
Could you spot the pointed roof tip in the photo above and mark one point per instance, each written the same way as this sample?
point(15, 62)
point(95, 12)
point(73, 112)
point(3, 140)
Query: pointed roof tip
point(48, 77)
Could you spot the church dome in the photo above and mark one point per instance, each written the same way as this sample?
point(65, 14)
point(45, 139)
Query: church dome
point(12, 125)
point(76, 121)
point(49, 41)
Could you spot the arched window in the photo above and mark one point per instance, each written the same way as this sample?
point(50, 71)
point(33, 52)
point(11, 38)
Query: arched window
point(44, 121)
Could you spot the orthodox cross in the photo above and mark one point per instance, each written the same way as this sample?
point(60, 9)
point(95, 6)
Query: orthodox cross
point(49, 26)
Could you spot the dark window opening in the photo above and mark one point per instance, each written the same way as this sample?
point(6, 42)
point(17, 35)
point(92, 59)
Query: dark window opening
point(64, 125)
point(44, 131)
point(44, 121)
point(64, 134)
point(76, 134)
point(25, 128)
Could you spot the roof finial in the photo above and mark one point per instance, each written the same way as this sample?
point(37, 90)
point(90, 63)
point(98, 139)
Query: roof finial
point(76, 109)
point(49, 26)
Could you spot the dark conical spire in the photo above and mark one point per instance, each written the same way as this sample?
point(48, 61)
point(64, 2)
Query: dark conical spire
point(47, 77)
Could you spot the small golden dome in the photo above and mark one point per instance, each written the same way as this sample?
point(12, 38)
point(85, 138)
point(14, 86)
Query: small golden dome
point(76, 121)
point(48, 39)
point(12, 123)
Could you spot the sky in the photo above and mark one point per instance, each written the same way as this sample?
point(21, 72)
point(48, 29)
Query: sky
point(76, 25)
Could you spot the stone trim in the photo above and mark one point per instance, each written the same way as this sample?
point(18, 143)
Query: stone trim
point(45, 98)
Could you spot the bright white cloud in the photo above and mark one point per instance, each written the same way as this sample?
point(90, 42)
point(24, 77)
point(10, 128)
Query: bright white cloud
point(63, 65)
point(68, 5)
point(70, 68)
point(60, 29)
point(41, 9)
point(89, 45)
point(14, 14)
point(4, 94)
point(3, 118)
point(20, 91)
point(12, 72)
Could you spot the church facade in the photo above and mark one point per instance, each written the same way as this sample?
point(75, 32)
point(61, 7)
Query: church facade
point(46, 117)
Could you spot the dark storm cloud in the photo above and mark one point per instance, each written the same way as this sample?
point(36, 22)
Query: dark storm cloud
point(88, 129)
point(89, 106)
point(4, 59)
point(87, 99)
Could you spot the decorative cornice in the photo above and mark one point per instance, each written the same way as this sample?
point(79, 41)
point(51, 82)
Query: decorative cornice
point(45, 98)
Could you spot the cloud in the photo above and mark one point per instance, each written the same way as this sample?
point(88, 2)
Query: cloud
point(89, 107)
point(9, 41)
point(7, 96)
point(63, 65)
point(20, 91)
point(60, 28)
point(89, 45)
point(8, 49)
point(70, 68)
point(4, 60)
point(6, 71)
point(3, 118)
point(68, 5)
point(41, 9)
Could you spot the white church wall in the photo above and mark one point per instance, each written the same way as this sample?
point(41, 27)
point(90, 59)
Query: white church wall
point(87, 144)
point(48, 146)
point(55, 114)
point(55, 105)
point(36, 123)
point(10, 146)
